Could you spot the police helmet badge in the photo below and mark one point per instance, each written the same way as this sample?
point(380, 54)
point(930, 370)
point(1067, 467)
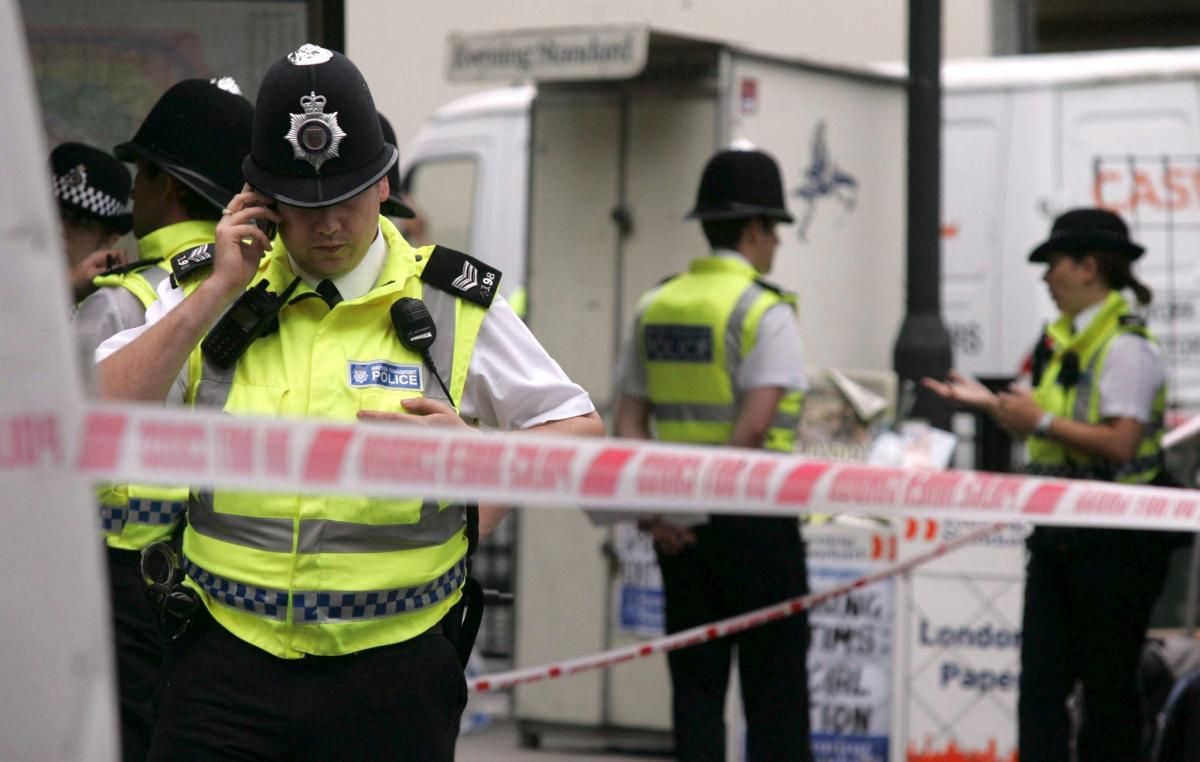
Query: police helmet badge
point(228, 84)
point(315, 135)
point(309, 55)
point(76, 177)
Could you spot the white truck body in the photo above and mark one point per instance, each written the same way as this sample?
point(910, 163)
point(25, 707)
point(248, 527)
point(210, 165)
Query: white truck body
point(1027, 138)
point(578, 189)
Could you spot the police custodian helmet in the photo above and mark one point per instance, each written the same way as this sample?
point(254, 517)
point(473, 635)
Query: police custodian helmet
point(317, 140)
point(394, 206)
point(197, 132)
point(739, 184)
point(1089, 229)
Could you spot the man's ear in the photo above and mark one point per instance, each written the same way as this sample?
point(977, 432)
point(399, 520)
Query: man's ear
point(1091, 267)
point(385, 189)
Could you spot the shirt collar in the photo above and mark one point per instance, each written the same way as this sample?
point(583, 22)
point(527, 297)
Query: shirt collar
point(358, 281)
point(1085, 316)
point(731, 254)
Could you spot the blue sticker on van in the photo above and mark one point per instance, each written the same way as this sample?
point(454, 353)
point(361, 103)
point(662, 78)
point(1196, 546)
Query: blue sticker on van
point(382, 374)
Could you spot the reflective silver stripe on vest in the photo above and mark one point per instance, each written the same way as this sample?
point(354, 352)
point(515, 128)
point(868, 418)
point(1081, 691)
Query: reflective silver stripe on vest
point(154, 275)
point(789, 421)
point(693, 412)
point(214, 386)
point(442, 308)
point(141, 511)
point(734, 327)
point(318, 607)
point(434, 528)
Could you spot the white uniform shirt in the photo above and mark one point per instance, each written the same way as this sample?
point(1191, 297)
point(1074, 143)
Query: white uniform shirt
point(512, 383)
point(775, 361)
point(1133, 372)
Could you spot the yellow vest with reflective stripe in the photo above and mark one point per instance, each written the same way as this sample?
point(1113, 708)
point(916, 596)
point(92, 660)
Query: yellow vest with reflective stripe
point(133, 516)
point(693, 332)
point(330, 575)
point(1081, 401)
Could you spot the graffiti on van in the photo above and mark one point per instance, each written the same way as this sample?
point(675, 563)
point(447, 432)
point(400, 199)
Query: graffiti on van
point(823, 179)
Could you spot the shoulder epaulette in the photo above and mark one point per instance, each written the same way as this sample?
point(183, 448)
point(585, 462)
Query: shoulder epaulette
point(1131, 320)
point(462, 275)
point(132, 267)
point(187, 264)
point(776, 288)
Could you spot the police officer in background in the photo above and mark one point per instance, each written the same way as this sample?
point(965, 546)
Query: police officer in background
point(188, 153)
point(92, 190)
point(326, 624)
point(397, 206)
point(1095, 412)
point(715, 359)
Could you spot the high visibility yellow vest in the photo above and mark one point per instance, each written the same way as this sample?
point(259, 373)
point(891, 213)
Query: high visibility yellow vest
point(1080, 401)
point(693, 332)
point(323, 574)
point(131, 515)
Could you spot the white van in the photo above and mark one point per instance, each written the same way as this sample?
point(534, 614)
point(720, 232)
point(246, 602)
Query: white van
point(1027, 138)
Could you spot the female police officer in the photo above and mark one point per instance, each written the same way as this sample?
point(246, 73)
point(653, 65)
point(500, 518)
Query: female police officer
point(1096, 412)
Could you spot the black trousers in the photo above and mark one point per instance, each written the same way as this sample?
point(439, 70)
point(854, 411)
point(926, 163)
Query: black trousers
point(224, 699)
point(139, 651)
point(1088, 597)
point(739, 564)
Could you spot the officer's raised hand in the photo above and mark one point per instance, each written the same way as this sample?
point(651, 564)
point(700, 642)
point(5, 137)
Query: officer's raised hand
point(240, 243)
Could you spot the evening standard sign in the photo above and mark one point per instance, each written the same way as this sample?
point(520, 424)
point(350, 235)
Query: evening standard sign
point(613, 52)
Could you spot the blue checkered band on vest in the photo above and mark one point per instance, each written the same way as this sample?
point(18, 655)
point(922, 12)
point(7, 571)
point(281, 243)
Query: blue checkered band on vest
point(141, 511)
point(316, 607)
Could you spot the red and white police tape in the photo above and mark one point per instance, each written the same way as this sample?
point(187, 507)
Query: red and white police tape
point(707, 632)
point(154, 445)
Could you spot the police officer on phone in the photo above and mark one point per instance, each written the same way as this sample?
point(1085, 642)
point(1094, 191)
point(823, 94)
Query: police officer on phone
point(188, 153)
point(325, 624)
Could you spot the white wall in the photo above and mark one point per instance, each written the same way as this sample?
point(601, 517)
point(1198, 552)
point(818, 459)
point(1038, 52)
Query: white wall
point(400, 45)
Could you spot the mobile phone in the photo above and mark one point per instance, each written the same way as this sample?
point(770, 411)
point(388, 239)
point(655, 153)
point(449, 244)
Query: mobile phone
point(268, 227)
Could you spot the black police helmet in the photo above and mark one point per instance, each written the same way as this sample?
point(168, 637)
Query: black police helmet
point(317, 139)
point(394, 206)
point(198, 133)
point(1089, 229)
point(739, 184)
point(90, 181)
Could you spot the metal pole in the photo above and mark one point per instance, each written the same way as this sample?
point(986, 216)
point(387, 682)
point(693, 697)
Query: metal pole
point(923, 346)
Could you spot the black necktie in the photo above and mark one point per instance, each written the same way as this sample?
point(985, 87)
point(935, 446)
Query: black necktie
point(329, 293)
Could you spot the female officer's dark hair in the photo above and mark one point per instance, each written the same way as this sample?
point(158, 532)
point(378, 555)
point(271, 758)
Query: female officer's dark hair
point(1117, 271)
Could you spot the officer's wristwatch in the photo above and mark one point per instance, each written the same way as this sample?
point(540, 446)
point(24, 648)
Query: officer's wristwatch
point(1043, 427)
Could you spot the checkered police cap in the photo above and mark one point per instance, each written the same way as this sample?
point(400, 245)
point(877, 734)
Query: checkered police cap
point(91, 181)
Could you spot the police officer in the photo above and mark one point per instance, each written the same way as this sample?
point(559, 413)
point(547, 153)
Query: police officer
point(188, 152)
point(715, 359)
point(1095, 412)
point(92, 190)
point(397, 206)
point(325, 622)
